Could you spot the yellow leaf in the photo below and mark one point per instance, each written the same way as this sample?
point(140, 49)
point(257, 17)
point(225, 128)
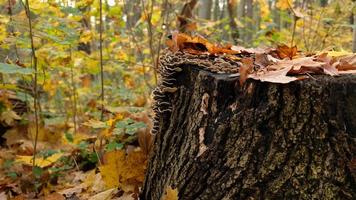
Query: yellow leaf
point(86, 36)
point(8, 86)
point(40, 162)
point(284, 4)
point(31, 129)
point(170, 194)
point(264, 8)
point(123, 171)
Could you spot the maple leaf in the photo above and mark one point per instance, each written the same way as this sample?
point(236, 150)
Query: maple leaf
point(124, 171)
point(284, 51)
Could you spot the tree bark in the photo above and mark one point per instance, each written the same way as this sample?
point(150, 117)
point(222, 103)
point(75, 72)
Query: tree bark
point(354, 34)
point(217, 140)
point(250, 22)
point(205, 9)
point(232, 10)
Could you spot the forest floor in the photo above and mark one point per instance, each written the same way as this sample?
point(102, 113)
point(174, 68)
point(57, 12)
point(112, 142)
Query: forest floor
point(73, 166)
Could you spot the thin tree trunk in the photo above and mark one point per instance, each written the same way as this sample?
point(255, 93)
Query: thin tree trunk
point(216, 10)
point(205, 9)
point(241, 15)
point(232, 10)
point(249, 16)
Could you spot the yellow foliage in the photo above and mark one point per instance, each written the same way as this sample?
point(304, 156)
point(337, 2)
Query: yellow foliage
point(264, 8)
point(284, 4)
point(170, 194)
point(40, 162)
point(123, 171)
point(86, 36)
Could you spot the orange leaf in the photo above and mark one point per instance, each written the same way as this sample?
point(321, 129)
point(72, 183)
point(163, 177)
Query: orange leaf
point(170, 194)
point(284, 51)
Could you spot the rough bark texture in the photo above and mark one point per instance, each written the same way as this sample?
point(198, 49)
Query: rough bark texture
point(262, 141)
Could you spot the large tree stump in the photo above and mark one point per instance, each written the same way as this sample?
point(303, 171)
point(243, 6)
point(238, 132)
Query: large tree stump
point(217, 140)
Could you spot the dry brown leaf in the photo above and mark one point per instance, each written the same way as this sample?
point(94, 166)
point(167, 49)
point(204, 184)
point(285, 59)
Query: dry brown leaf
point(54, 196)
point(106, 195)
point(328, 67)
point(241, 49)
point(195, 45)
point(261, 60)
point(278, 76)
point(346, 63)
point(299, 65)
point(245, 69)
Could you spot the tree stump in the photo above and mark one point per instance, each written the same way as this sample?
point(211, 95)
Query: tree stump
point(218, 140)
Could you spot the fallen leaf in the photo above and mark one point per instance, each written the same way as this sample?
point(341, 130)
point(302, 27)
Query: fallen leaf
point(284, 51)
point(3, 196)
point(278, 76)
point(106, 195)
point(346, 63)
point(245, 69)
point(328, 67)
point(241, 49)
point(170, 194)
point(299, 66)
point(195, 45)
point(40, 161)
point(123, 171)
point(54, 196)
point(9, 117)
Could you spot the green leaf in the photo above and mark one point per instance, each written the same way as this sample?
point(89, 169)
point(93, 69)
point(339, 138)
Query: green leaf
point(37, 171)
point(69, 137)
point(14, 69)
point(114, 146)
point(12, 175)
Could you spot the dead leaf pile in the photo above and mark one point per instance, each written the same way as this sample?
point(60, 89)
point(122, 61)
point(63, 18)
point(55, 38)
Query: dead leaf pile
point(282, 64)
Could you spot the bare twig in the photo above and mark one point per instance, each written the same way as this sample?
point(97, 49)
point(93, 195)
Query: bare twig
point(101, 58)
point(150, 35)
point(74, 91)
point(34, 62)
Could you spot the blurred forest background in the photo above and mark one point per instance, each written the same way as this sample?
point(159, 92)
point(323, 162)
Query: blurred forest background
point(51, 104)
